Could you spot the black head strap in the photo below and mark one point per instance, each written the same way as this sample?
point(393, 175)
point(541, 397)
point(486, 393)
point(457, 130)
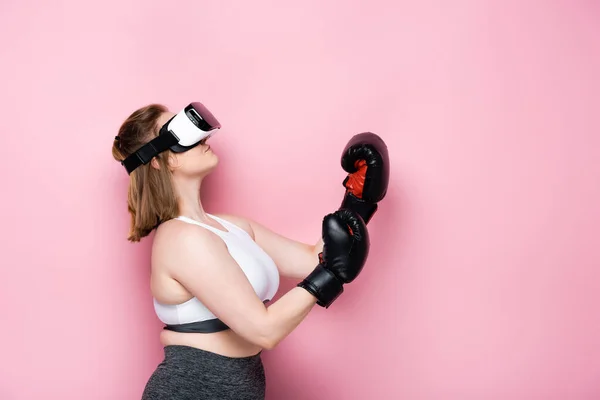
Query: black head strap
point(150, 150)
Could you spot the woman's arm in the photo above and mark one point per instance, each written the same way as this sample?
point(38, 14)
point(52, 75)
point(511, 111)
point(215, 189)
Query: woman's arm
point(293, 258)
point(199, 260)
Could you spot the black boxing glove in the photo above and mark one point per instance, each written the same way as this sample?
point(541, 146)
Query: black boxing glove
point(366, 160)
point(345, 250)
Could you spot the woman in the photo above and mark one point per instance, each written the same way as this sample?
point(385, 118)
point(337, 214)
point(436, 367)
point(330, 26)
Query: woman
point(212, 275)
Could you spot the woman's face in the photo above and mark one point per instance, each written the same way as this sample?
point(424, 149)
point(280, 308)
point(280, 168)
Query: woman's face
point(196, 162)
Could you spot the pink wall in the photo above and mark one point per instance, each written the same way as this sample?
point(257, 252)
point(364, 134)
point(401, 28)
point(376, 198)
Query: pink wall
point(483, 281)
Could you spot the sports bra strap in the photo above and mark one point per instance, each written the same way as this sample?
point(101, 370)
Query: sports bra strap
point(230, 226)
point(210, 228)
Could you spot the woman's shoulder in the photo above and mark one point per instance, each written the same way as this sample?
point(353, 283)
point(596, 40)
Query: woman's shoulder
point(176, 242)
point(175, 233)
point(179, 246)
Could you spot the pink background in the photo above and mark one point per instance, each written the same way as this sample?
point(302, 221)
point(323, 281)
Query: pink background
point(483, 281)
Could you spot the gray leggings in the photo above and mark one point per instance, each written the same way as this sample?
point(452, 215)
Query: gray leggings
point(188, 373)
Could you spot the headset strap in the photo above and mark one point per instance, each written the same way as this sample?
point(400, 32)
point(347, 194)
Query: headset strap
point(150, 150)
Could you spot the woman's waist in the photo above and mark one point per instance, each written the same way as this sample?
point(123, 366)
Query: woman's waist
point(225, 343)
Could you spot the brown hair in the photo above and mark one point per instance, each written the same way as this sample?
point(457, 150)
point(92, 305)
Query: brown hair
point(151, 198)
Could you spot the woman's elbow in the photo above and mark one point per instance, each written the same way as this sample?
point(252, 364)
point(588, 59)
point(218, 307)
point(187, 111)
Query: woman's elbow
point(267, 337)
point(267, 340)
point(269, 343)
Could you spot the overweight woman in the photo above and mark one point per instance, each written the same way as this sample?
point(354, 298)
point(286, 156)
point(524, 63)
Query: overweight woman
point(213, 277)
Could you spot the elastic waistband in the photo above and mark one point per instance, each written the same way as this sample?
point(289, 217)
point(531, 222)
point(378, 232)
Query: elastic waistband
point(195, 356)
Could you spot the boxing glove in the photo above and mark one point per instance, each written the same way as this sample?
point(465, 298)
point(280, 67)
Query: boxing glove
point(366, 160)
point(345, 250)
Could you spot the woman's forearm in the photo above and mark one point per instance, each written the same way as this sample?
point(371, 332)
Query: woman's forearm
point(318, 247)
point(284, 315)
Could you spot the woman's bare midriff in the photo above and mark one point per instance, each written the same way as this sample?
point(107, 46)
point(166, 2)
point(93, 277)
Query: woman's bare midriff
point(226, 343)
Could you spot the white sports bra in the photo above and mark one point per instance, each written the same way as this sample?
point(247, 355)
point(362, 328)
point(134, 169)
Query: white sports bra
point(260, 269)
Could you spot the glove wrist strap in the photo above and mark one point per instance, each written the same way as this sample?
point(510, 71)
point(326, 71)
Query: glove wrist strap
point(322, 284)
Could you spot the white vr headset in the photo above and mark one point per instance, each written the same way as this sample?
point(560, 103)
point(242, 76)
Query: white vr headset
point(188, 128)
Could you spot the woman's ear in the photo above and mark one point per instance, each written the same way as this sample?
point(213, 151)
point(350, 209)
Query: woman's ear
point(154, 163)
point(173, 162)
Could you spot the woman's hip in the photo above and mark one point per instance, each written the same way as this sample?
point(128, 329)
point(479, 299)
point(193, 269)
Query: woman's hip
point(191, 373)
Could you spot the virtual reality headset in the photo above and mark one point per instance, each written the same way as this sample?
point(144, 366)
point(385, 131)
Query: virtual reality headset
point(188, 128)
